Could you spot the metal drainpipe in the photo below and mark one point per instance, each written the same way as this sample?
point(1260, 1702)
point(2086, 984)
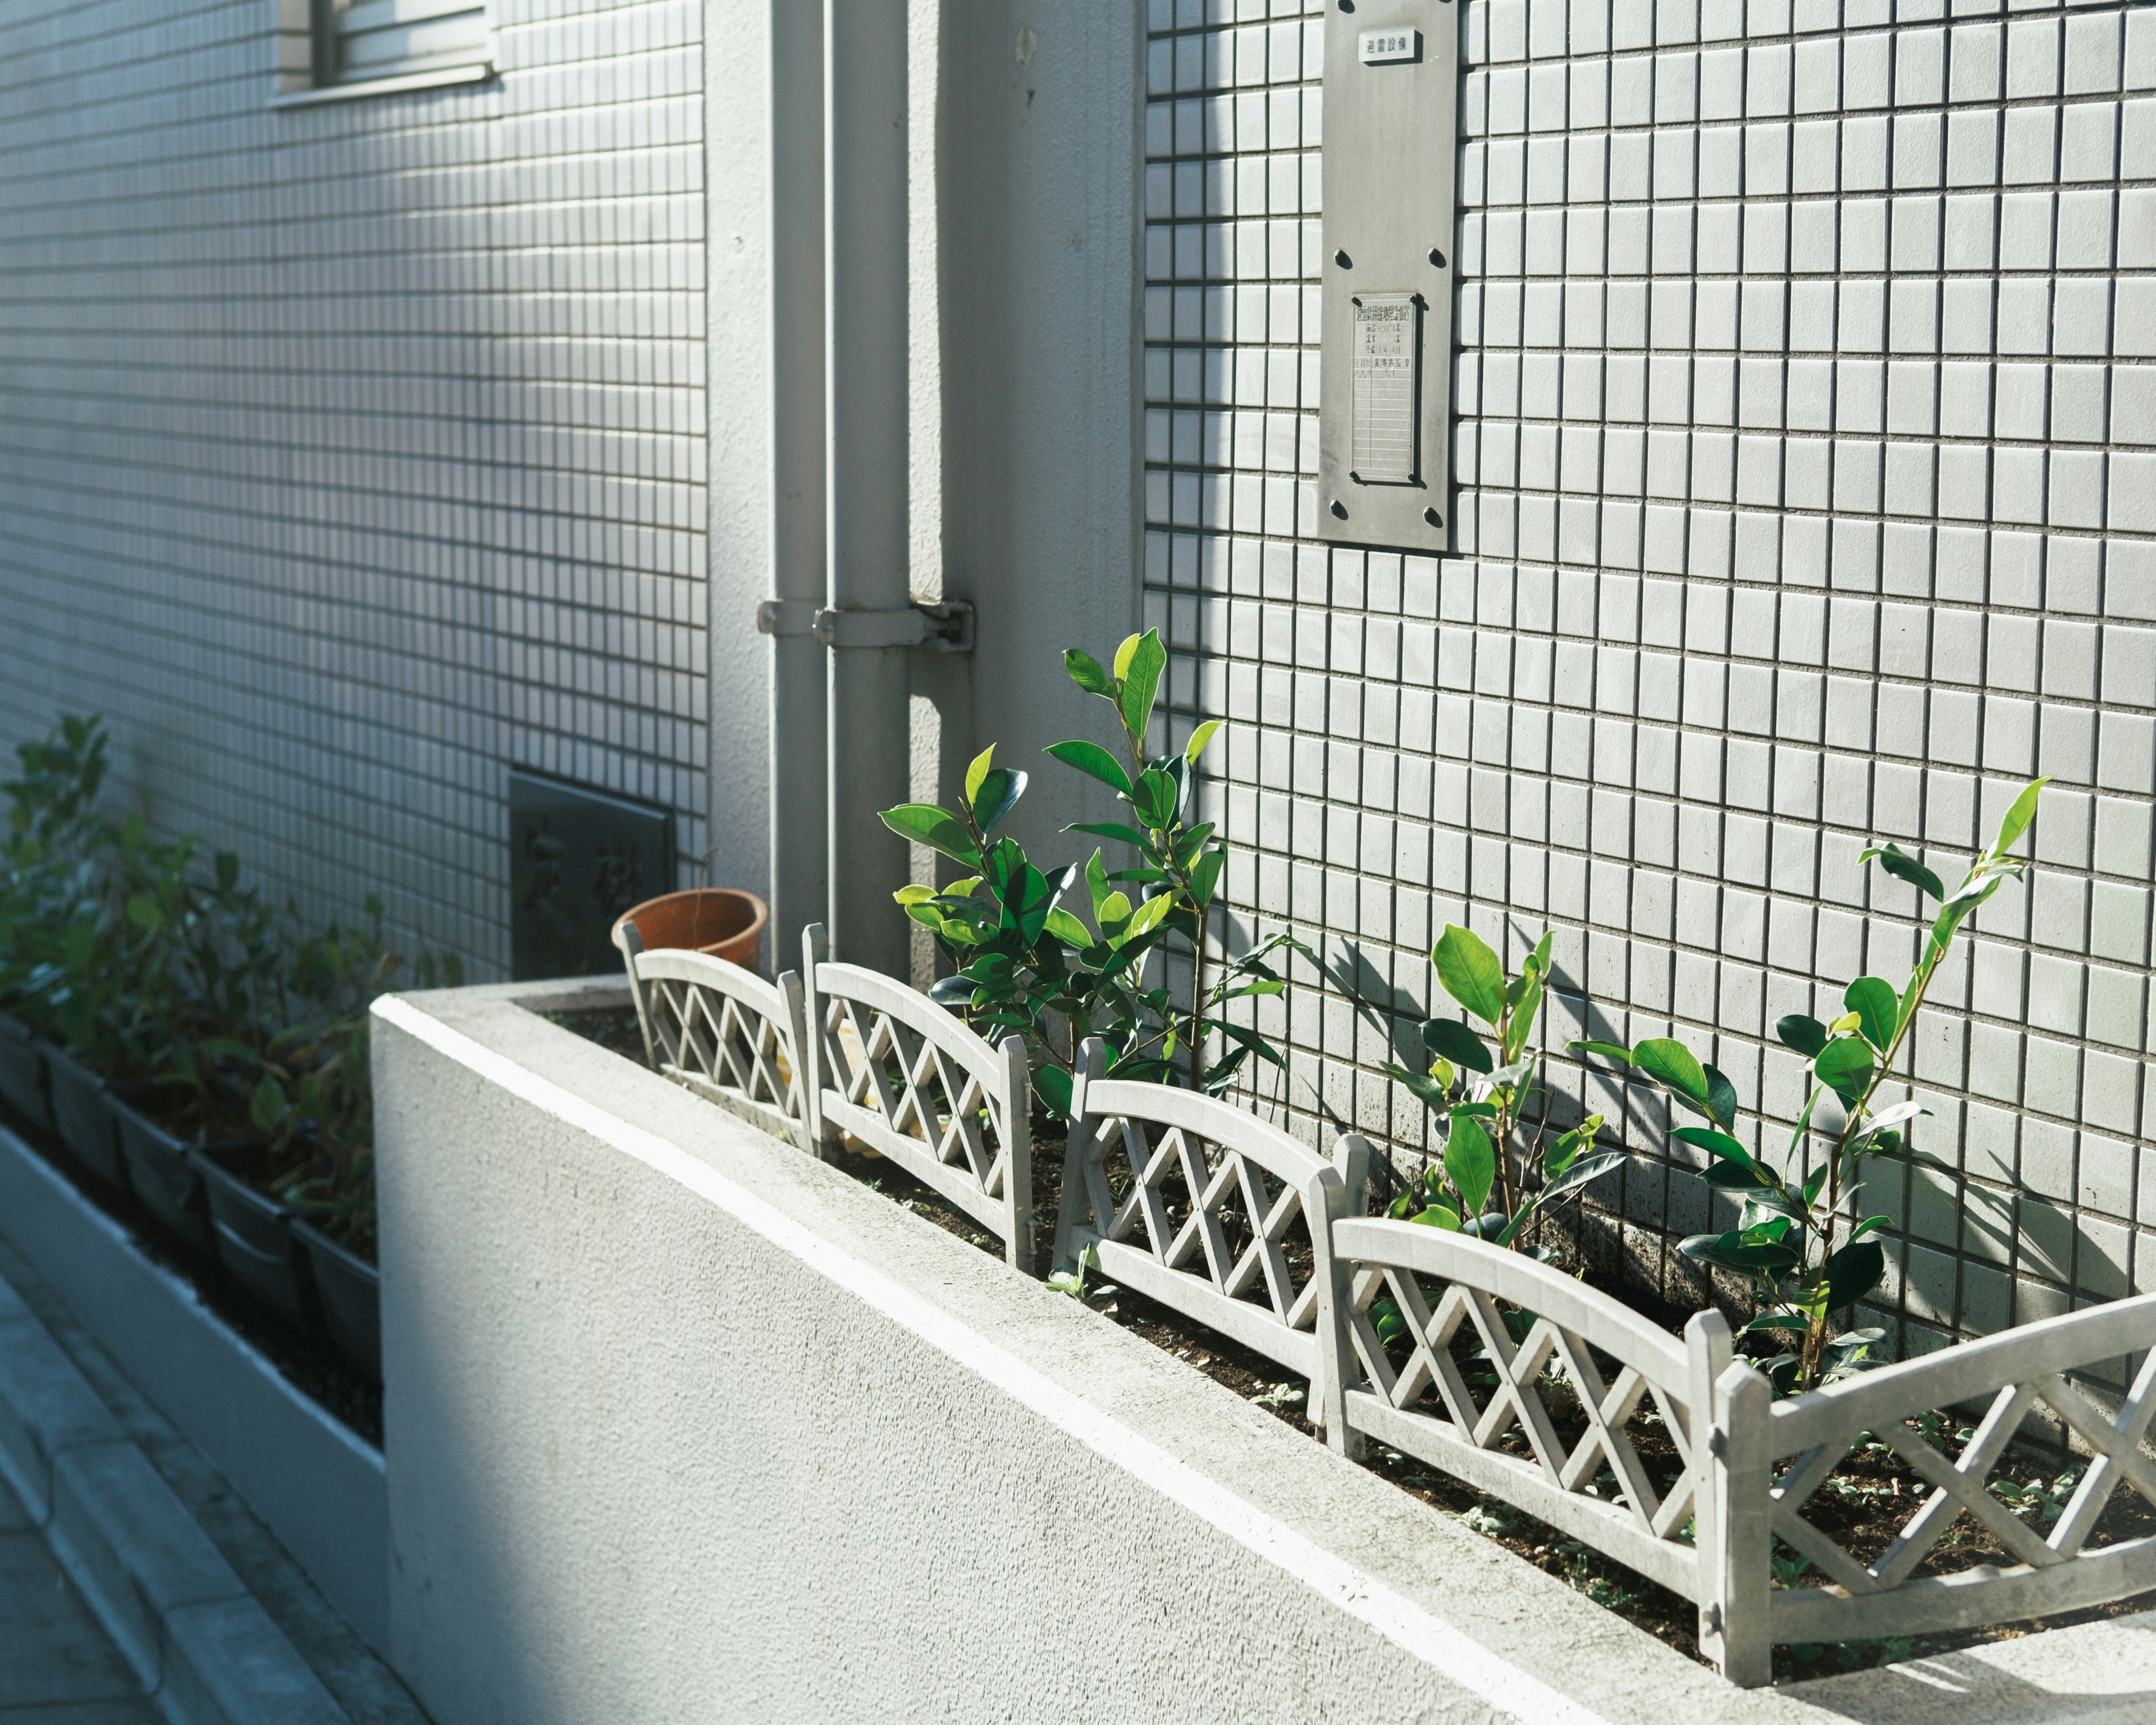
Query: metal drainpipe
point(871, 618)
point(800, 878)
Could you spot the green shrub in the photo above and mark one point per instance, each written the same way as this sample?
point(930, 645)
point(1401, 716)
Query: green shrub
point(1024, 963)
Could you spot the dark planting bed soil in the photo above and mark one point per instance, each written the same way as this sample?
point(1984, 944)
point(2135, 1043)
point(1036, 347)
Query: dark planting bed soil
point(309, 1363)
point(1863, 1507)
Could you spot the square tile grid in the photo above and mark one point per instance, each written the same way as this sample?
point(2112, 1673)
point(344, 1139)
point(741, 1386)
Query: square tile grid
point(1806, 450)
point(353, 453)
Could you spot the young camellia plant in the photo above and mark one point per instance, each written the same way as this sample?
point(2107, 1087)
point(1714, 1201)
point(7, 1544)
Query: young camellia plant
point(1796, 1237)
point(1479, 1186)
point(1025, 963)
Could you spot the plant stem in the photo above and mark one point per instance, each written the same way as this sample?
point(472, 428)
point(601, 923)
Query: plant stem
point(1198, 999)
point(1815, 1327)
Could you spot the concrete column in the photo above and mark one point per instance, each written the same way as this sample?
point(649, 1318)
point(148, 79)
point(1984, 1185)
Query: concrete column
point(800, 879)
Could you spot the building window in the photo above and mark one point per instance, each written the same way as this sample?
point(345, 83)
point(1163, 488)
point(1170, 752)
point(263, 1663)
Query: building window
point(396, 38)
point(349, 48)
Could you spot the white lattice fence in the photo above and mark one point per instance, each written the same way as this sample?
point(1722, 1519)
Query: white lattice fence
point(1211, 1211)
point(1664, 1454)
point(723, 1032)
point(1783, 1456)
point(914, 1083)
point(1550, 1416)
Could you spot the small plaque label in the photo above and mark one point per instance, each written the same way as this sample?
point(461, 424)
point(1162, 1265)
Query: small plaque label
point(1390, 47)
point(1387, 372)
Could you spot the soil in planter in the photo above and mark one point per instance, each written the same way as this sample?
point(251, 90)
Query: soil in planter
point(310, 1364)
point(613, 1027)
point(1862, 1508)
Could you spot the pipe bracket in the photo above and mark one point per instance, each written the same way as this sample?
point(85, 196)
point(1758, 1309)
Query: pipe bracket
point(786, 617)
point(942, 626)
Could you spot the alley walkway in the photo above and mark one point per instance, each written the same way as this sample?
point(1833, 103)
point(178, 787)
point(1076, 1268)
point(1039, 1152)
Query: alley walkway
point(200, 1614)
point(57, 1665)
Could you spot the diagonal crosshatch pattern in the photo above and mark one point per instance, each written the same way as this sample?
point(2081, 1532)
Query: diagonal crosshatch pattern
point(1805, 433)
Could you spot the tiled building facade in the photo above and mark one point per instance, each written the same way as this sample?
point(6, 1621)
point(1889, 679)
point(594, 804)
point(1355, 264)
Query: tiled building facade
point(1805, 441)
point(353, 454)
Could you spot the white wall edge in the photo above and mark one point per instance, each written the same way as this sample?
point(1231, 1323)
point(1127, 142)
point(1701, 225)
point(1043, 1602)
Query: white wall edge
point(1461, 1658)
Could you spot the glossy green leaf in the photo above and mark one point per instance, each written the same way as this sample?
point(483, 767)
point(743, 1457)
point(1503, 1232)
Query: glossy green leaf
point(1052, 1084)
point(269, 1106)
point(1877, 1007)
point(1155, 798)
point(1853, 1272)
point(1068, 929)
point(1206, 876)
point(1123, 655)
point(1139, 670)
point(1607, 1051)
point(1845, 1067)
point(1559, 1155)
point(1114, 829)
point(1525, 1008)
point(1674, 1066)
point(1721, 1097)
point(1806, 1034)
point(1085, 672)
point(2019, 814)
point(1902, 866)
point(978, 771)
point(1093, 761)
point(1457, 1043)
point(999, 790)
point(1199, 738)
point(1438, 1214)
point(938, 828)
point(1470, 973)
point(1147, 916)
point(1097, 882)
point(1471, 1163)
point(1733, 1251)
point(1717, 1144)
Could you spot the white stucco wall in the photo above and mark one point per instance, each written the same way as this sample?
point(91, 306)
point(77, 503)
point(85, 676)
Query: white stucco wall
point(683, 1425)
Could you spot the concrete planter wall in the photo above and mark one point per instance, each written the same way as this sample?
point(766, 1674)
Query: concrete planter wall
point(682, 1422)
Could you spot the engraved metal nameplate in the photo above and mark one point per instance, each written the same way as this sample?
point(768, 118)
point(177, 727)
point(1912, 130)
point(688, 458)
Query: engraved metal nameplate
point(1390, 47)
point(1388, 355)
point(1392, 157)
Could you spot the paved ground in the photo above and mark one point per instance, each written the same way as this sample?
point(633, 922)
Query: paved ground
point(57, 1665)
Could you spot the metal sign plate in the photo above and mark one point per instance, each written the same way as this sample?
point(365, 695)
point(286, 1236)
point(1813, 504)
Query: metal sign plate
point(1392, 149)
point(1387, 362)
point(1390, 47)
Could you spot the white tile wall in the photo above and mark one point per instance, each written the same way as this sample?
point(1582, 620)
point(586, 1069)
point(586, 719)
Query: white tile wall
point(352, 455)
point(1807, 446)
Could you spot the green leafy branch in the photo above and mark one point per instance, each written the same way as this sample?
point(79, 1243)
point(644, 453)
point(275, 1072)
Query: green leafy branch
point(1482, 1096)
point(1806, 1259)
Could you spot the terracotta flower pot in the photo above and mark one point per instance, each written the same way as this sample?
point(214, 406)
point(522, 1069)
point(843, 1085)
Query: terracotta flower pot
point(722, 920)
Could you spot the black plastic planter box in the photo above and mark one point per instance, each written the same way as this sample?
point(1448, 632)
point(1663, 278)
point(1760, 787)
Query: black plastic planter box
point(162, 1171)
point(82, 1116)
point(253, 1235)
point(349, 1291)
point(23, 1075)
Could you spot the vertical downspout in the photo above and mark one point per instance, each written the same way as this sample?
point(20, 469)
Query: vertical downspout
point(800, 880)
point(865, 311)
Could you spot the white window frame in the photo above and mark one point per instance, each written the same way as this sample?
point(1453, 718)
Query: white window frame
point(307, 55)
